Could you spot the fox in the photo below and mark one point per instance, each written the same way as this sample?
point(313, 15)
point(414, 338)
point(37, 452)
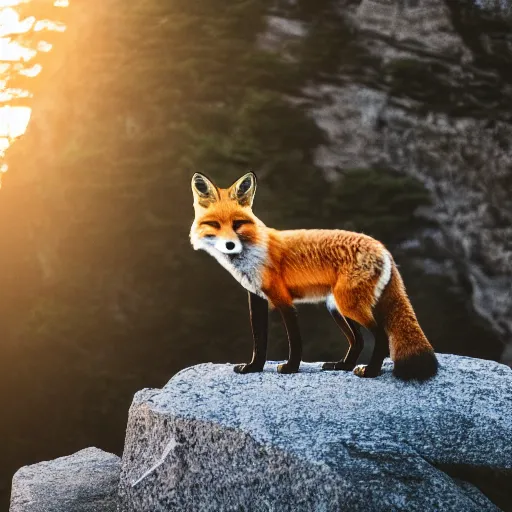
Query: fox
point(352, 273)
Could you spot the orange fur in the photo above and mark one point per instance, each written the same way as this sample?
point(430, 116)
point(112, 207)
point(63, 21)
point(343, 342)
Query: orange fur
point(314, 263)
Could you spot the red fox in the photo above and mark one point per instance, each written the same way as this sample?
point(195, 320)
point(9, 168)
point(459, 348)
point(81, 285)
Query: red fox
point(353, 273)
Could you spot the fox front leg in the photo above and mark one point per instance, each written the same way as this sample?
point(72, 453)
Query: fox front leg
point(289, 315)
point(258, 312)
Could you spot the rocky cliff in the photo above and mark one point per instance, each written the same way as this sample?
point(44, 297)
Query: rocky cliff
point(421, 87)
point(214, 440)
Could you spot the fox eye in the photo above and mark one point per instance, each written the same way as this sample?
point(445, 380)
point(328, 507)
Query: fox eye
point(239, 223)
point(211, 223)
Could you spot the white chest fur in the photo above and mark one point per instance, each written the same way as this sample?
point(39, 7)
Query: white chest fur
point(246, 268)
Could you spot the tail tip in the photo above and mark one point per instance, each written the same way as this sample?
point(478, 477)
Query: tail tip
point(421, 366)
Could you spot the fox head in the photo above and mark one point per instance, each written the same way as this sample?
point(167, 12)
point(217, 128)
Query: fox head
point(224, 223)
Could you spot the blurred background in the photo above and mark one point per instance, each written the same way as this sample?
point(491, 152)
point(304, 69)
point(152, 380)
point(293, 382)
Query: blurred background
point(388, 117)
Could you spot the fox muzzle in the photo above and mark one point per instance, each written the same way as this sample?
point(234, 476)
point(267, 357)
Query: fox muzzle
point(228, 246)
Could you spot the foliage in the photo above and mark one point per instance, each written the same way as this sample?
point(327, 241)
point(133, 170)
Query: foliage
point(379, 202)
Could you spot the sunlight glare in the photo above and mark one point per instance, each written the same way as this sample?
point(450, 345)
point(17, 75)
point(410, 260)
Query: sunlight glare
point(9, 94)
point(13, 121)
point(43, 46)
point(10, 3)
point(14, 52)
point(13, 55)
point(10, 22)
point(49, 25)
point(33, 71)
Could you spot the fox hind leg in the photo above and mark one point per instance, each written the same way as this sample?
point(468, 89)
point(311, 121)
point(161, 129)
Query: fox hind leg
point(353, 334)
point(380, 351)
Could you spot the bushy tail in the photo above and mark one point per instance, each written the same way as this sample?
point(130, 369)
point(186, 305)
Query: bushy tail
point(410, 350)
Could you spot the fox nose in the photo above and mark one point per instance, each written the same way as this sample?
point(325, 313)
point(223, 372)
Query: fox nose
point(228, 246)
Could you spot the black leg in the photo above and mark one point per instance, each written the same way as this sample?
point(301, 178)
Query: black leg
point(355, 339)
point(258, 312)
point(380, 351)
point(289, 315)
point(355, 350)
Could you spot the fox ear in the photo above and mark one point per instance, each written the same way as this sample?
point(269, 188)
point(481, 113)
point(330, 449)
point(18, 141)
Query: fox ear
point(243, 190)
point(205, 192)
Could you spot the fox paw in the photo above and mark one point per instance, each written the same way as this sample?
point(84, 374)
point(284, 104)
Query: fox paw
point(366, 372)
point(286, 368)
point(340, 365)
point(248, 368)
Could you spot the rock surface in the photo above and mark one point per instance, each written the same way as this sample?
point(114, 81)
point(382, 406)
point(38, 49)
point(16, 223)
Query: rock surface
point(215, 440)
point(83, 482)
